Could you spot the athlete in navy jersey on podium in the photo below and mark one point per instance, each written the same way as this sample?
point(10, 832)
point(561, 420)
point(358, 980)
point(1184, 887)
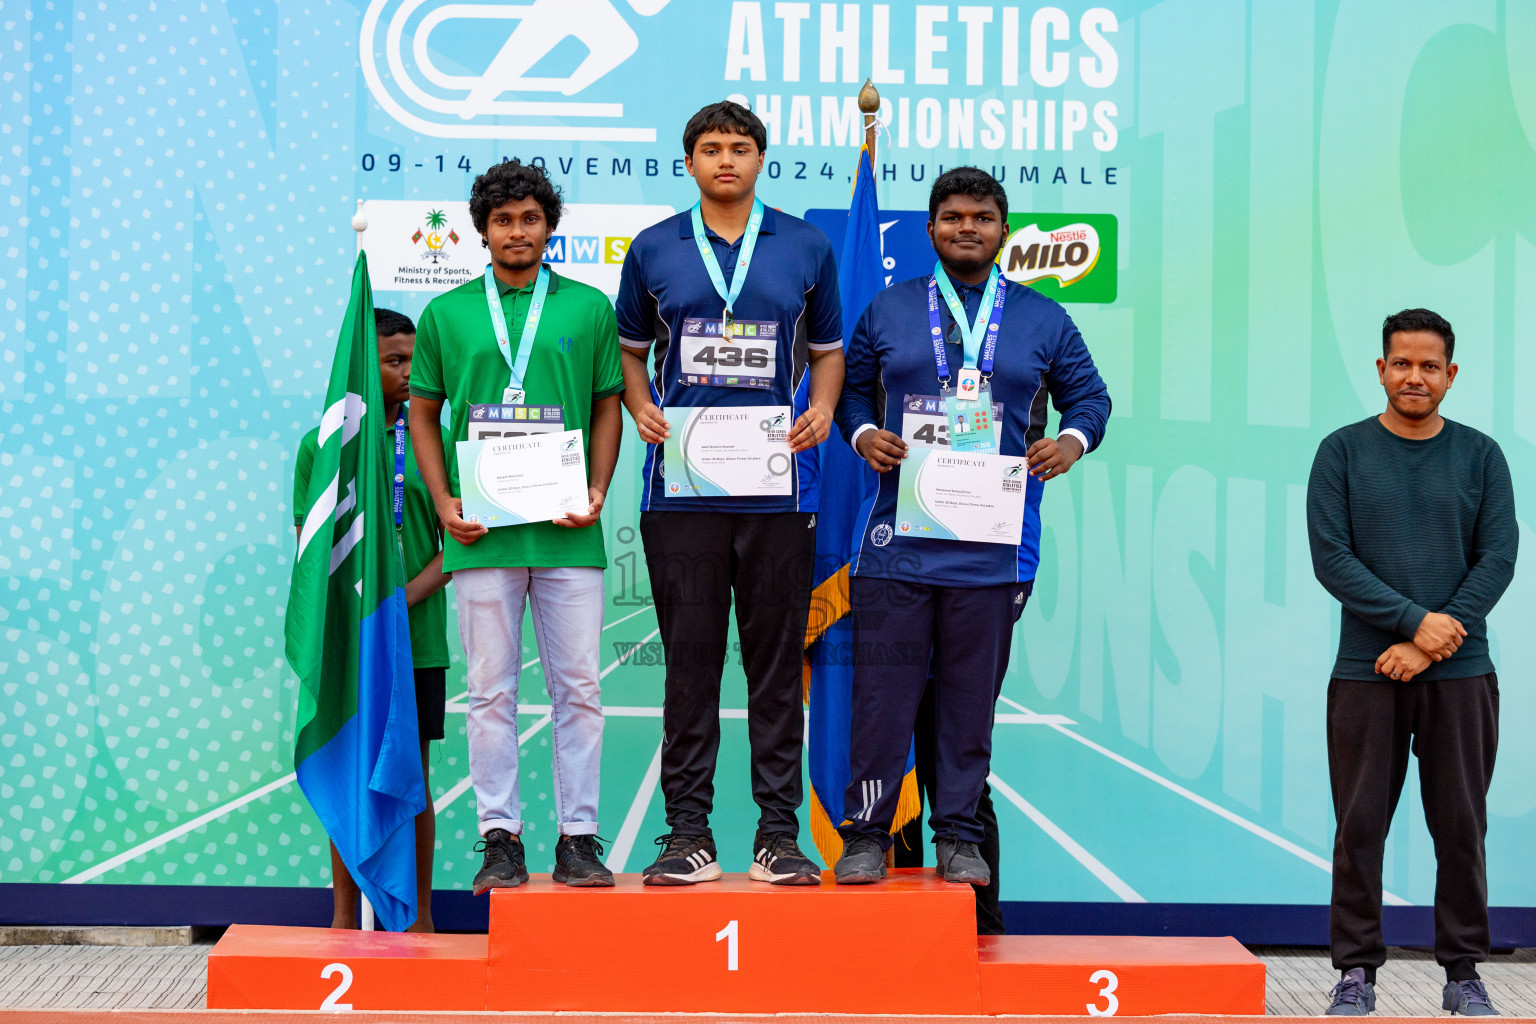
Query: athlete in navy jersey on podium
point(737, 305)
point(955, 601)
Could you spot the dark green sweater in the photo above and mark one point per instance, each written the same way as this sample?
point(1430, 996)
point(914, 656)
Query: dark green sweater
point(1402, 528)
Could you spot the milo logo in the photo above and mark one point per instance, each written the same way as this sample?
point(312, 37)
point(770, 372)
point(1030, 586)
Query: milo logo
point(1066, 257)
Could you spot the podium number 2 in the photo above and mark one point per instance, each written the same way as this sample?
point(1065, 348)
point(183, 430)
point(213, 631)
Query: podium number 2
point(1111, 1003)
point(728, 933)
point(341, 989)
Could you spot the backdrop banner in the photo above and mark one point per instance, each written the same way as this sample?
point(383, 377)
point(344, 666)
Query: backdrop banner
point(1229, 197)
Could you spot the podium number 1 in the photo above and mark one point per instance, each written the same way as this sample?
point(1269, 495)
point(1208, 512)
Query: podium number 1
point(728, 933)
point(1111, 1002)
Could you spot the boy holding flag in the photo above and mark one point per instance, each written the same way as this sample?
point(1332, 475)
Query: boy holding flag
point(421, 547)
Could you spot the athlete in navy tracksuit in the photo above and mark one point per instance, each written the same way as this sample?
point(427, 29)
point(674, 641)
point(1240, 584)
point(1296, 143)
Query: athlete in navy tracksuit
point(953, 601)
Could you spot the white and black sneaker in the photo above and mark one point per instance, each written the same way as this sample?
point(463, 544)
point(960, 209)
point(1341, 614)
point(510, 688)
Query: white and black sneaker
point(683, 860)
point(776, 859)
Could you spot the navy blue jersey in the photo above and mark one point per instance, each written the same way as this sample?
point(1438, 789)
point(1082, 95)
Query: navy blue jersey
point(1039, 353)
point(665, 292)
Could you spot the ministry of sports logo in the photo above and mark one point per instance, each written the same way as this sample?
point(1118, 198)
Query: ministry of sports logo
point(435, 235)
point(460, 71)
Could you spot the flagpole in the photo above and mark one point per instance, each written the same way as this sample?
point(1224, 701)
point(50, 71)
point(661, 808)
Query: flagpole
point(365, 915)
point(869, 105)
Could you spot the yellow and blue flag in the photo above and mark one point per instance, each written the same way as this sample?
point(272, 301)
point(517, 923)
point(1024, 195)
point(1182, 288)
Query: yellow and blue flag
point(847, 491)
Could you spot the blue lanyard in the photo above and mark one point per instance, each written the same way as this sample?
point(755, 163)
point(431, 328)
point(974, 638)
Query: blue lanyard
point(997, 287)
point(400, 469)
point(707, 251)
point(519, 367)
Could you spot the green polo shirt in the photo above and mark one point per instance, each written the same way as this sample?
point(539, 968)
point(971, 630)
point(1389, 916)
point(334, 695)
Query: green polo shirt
point(419, 539)
point(575, 362)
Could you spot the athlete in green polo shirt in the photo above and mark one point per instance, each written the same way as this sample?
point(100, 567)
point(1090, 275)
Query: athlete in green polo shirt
point(421, 543)
point(473, 351)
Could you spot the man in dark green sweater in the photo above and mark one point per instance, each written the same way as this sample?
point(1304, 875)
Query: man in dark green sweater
point(1412, 522)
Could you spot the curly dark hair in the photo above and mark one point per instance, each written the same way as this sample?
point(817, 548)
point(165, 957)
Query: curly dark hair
point(508, 182)
point(728, 117)
point(1418, 320)
point(971, 182)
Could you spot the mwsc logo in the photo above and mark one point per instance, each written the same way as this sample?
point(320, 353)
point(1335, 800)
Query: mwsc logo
point(460, 71)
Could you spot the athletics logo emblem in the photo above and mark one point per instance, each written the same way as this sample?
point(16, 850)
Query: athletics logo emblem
point(401, 38)
point(881, 535)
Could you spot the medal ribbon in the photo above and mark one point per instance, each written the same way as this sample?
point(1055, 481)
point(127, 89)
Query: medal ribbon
point(530, 326)
point(979, 352)
point(399, 480)
point(707, 251)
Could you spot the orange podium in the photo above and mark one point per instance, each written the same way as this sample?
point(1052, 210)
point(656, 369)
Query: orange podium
point(262, 967)
point(907, 946)
point(1115, 975)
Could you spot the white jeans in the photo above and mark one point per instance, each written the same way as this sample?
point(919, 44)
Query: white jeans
point(567, 623)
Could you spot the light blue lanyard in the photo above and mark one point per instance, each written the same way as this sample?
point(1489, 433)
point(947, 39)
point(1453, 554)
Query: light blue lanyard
point(748, 243)
point(971, 331)
point(519, 367)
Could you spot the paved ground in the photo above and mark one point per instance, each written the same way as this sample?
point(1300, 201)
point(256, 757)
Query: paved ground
point(1409, 985)
point(166, 978)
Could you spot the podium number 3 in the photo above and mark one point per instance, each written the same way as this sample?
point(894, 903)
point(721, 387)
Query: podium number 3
point(728, 933)
point(1111, 1002)
point(341, 989)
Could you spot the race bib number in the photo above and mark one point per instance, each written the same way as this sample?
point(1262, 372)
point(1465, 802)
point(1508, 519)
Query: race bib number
point(925, 424)
point(489, 422)
point(747, 358)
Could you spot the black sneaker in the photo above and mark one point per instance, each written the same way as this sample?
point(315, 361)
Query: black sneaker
point(504, 867)
point(777, 859)
point(1353, 996)
point(960, 861)
point(862, 862)
point(1468, 998)
point(578, 863)
point(683, 860)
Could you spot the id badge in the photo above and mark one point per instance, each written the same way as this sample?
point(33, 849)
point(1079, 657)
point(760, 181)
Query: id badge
point(970, 423)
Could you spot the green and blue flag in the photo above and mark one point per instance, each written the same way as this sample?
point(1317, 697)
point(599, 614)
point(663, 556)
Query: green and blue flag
point(357, 752)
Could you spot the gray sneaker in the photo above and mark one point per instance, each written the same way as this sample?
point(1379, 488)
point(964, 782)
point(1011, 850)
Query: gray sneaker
point(960, 861)
point(1468, 998)
point(1353, 996)
point(862, 862)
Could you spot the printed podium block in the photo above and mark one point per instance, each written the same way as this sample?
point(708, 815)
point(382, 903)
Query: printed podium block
point(259, 967)
point(906, 946)
point(1118, 976)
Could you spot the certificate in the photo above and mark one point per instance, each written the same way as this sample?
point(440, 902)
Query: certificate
point(518, 480)
point(944, 495)
point(737, 451)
